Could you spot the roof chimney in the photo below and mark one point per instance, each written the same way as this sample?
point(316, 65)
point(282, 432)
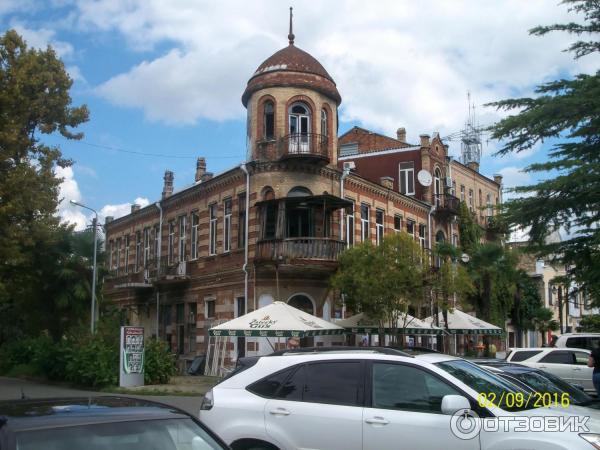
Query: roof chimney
point(135, 207)
point(387, 182)
point(108, 219)
point(401, 134)
point(207, 176)
point(200, 169)
point(498, 178)
point(473, 166)
point(424, 140)
point(168, 185)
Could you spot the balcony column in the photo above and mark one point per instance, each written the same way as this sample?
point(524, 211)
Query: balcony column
point(281, 222)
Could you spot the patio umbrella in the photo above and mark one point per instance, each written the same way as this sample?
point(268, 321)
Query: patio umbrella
point(460, 322)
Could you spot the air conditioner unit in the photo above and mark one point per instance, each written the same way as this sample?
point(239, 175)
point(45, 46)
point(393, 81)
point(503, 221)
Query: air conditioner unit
point(349, 165)
point(147, 276)
point(181, 272)
point(448, 182)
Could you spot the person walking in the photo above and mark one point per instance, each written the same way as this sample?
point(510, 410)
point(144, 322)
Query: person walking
point(594, 361)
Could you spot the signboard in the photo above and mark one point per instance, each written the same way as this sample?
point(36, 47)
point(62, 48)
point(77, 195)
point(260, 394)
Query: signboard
point(131, 372)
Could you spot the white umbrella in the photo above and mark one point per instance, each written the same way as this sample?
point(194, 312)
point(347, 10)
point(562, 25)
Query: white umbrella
point(460, 322)
point(362, 324)
point(277, 319)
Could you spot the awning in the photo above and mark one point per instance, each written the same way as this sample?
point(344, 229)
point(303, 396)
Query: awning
point(406, 324)
point(460, 322)
point(276, 320)
point(327, 201)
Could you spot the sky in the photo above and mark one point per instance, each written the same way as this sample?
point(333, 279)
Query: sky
point(164, 78)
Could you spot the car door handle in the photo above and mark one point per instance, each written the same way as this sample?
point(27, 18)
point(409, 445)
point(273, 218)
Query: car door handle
point(542, 367)
point(280, 412)
point(377, 420)
point(577, 368)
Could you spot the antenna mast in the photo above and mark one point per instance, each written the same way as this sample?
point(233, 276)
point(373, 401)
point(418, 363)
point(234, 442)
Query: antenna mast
point(470, 145)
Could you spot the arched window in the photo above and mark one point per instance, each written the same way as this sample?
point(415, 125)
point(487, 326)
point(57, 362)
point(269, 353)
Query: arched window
point(303, 303)
point(299, 191)
point(437, 186)
point(269, 120)
point(324, 125)
point(440, 236)
point(299, 128)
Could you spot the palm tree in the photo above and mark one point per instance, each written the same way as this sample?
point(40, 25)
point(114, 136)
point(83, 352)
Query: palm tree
point(544, 321)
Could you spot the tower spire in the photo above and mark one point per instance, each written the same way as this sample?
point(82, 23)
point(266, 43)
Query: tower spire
point(291, 34)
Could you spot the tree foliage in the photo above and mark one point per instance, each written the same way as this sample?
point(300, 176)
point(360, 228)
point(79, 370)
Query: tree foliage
point(566, 114)
point(34, 100)
point(383, 281)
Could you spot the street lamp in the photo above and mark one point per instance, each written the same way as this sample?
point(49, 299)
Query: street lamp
point(94, 224)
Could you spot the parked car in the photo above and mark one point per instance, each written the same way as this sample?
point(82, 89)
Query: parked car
point(197, 366)
point(541, 382)
point(578, 340)
point(101, 423)
point(568, 364)
point(371, 399)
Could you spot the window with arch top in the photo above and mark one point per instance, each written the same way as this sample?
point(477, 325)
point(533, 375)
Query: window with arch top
point(269, 120)
point(324, 124)
point(299, 119)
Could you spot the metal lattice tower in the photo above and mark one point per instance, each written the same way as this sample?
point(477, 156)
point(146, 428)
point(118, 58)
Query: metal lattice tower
point(470, 139)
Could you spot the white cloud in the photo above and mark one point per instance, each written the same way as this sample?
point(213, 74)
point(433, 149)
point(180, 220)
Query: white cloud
point(514, 176)
point(42, 37)
point(69, 190)
point(396, 63)
point(120, 210)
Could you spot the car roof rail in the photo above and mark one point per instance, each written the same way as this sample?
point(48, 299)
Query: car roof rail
point(341, 348)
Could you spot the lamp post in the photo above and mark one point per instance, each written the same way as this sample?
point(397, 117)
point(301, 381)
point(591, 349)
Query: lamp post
point(94, 224)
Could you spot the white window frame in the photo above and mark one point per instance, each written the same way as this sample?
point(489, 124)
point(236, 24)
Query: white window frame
point(379, 227)
point(364, 223)
point(118, 251)
point(350, 225)
point(212, 241)
point(111, 245)
point(138, 250)
point(156, 241)
point(409, 174)
point(171, 243)
point(490, 209)
point(182, 236)
point(398, 229)
point(423, 237)
point(414, 226)
point(146, 246)
point(194, 235)
point(127, 253)
point(324, 124)
point(462, 192)
point(227, 206)
point(471, 199)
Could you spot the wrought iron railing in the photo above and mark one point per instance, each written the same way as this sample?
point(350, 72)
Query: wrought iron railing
point(446, 203)
point(325, 249)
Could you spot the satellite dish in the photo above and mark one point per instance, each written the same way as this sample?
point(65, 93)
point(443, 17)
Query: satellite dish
point(465, 258)
point(424, 178)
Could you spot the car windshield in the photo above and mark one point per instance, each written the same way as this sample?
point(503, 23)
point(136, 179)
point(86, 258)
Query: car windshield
point(490, 388)
point(165, 434)
point(548, 383)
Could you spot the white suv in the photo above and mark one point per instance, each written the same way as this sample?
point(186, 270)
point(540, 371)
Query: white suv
point(570, 364)
point(374, 400)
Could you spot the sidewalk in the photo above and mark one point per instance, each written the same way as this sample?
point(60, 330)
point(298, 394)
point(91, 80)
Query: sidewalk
point(179, 385)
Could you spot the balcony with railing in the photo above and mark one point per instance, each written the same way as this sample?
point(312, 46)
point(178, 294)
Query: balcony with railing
point(172, 271)
point(305, 248)
point(130, 278)
point(311, 146)
point(446, 205)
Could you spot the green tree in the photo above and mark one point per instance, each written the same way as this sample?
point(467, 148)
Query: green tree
point(543, 320)
point(566, 114)
point(383, 281)
point(470, 231)
point(34, 100)
point(590, 324)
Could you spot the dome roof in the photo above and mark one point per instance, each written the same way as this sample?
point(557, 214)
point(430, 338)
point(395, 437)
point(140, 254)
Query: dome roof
point(293, 59)
point(291, 66)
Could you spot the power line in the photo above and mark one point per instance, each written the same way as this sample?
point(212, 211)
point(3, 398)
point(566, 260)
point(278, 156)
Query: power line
point(155, 155)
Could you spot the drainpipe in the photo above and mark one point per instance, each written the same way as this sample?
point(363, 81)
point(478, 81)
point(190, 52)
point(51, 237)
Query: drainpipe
point(245, 267)
point(160, 221)
point(345, 173)
point(429, 223)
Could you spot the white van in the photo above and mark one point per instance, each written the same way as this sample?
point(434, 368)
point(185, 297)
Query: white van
point(589, 341)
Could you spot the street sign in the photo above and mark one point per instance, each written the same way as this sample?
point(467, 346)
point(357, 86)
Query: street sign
point(131, 372)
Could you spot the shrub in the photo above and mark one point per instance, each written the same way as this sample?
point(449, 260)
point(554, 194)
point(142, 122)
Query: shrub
point(92, 360)
point(159, 363)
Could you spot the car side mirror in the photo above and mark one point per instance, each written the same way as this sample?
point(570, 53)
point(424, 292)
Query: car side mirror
point(453, 403)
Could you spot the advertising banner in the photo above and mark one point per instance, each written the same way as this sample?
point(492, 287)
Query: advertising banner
point(131, 372)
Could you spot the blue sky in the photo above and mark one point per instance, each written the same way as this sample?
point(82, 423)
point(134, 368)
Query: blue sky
point(166, 77)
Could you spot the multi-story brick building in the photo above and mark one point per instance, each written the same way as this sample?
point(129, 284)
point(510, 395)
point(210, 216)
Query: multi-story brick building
point(273, 227)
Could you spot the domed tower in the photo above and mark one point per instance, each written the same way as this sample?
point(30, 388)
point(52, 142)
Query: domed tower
point(292, 108)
